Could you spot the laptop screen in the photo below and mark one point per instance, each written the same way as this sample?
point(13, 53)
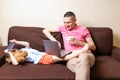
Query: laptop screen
point(51, 47)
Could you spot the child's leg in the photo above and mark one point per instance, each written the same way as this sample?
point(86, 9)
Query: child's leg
point(49, 59)
point(76, 53)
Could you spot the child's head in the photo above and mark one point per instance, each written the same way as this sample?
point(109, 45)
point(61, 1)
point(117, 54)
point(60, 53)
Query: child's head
point(19, 55)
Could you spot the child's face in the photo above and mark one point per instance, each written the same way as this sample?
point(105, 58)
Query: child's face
point(19, 55)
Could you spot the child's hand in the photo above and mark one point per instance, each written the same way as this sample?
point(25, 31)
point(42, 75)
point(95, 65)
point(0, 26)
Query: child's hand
point(67, 57)
point(6, 51)
point(13, 40)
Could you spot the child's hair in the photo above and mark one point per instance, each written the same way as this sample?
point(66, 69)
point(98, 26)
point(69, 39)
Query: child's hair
point(19, 55)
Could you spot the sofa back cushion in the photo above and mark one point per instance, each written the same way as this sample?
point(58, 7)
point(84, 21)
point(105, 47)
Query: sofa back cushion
point(33, 35)
point(101, 36)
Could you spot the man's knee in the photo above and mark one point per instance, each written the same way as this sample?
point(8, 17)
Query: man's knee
point(71, 64)
point(87, 58)
point(83, 56)
point(84, 59)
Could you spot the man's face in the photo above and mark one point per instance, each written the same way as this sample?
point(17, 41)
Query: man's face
point(69, 23)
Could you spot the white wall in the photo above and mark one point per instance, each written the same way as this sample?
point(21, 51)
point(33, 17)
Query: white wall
point(49, 13)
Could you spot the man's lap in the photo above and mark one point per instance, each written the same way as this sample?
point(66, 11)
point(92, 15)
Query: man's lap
point(72, 63)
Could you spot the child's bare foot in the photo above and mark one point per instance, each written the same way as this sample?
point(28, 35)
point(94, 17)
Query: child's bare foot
point(76, 53)
point(56, 59)
point(67, 57)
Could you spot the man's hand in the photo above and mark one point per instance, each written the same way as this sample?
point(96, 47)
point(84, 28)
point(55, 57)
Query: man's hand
point(59, 44)
point(76, 42)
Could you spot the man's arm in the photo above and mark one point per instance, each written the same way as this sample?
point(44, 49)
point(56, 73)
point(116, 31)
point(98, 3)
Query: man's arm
point(81, 43)
point(91, 43)
point(47, 32)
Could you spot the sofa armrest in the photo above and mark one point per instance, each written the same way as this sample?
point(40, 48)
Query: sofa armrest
point(116, 53)
point(2, 55)
point(2, 59)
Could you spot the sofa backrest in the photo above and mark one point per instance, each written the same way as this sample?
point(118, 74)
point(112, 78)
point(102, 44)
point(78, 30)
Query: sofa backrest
point(33, 35)
point(102, 37)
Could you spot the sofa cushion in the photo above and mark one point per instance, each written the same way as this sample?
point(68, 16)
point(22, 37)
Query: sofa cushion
point(35, 72)
point(33, 35)
point(106, 67)
point(2, 56)
point(103, 38)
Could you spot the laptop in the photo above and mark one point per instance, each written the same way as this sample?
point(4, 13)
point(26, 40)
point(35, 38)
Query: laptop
point(52, 48)
point(10, 46)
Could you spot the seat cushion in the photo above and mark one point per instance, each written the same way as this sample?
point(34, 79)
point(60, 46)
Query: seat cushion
point(30, 71)
point(106, 67)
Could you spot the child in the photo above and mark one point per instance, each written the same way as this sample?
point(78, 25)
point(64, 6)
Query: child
point(30, 55)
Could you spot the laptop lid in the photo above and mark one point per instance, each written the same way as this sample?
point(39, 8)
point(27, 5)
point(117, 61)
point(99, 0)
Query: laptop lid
point(51, 47)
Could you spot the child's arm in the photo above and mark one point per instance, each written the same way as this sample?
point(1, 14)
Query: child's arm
point(13, 60)
point(23, 43)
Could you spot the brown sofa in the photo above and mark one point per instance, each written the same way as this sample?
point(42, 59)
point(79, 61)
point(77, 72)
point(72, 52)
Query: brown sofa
point(107, 65)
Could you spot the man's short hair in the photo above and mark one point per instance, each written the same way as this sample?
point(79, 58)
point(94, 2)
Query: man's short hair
point(69, 14)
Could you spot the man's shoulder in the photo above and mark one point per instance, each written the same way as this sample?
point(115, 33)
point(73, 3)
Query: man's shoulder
point(81, 27)
point(61, 28)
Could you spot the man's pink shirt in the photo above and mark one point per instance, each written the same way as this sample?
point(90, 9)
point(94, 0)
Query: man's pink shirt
point(79, 32)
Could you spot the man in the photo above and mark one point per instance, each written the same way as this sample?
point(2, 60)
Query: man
point(75, 37)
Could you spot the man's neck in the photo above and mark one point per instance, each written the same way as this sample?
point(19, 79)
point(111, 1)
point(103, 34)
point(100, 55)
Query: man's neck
point(73, 27)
